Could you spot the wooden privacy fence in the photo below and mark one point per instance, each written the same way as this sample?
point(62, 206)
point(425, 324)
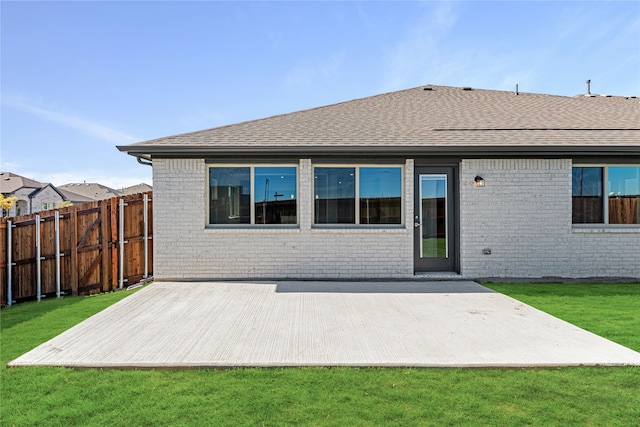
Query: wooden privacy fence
point(79, 250)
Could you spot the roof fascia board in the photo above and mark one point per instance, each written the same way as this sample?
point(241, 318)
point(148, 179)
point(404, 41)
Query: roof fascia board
point(467, 151)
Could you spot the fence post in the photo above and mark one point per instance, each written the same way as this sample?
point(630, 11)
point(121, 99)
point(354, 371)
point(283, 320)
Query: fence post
point(104, 245)
point(146, 236)
point(73, 229)
point(9, 265)
point(57, 231)
point(121, 243)
point(114, 243)
point(38, 264)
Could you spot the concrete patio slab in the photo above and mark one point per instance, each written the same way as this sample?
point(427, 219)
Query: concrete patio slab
point(422, 324)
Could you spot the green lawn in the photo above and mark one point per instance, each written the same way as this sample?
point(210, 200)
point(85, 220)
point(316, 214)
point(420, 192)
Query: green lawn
point(328, 396)
point(434, 247)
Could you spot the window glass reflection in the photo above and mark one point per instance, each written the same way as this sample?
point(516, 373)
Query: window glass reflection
point(433, 215)
point(229, 195)
point(623, 185)
point(334, 195)
point(275, 197)
point(586, 192)
point(380, 195)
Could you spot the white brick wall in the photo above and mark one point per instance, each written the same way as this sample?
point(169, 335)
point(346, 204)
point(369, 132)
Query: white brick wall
point(185, 249)
point(47, 195)
point(523, 215)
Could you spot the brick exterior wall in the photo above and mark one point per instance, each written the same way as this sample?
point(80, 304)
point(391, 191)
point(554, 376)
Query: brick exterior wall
point(47, 195)
point(523, 215)
point(184, 248)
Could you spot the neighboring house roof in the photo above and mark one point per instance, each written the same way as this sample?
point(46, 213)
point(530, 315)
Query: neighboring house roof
point(74, 198)
point(10, 182)
point(135, 189)
point(431, 119)
point(93, 191)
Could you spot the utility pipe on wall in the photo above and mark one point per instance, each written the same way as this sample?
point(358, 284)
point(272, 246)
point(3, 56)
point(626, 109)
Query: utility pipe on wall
point(146, 236)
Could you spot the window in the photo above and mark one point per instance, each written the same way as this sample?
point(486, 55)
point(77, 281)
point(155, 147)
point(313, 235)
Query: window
point(587, 195)
point(380, 195)
point(617, 203)
point(358, 195)
point(275, 195)
point(252, 195)
point(47, 206)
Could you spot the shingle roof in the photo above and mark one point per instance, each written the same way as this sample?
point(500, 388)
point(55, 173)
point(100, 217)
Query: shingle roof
point(75, 198)
point(135, 189)
point(438, 119)
point(10, 182)
point(90, 190)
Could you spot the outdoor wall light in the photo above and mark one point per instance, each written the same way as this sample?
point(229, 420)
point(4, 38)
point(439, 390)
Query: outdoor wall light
point(478, 181)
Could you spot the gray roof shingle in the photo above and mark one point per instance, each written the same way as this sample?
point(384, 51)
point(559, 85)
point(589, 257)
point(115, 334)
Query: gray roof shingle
point(90, 190)
point(10, 182)
point(417, 120)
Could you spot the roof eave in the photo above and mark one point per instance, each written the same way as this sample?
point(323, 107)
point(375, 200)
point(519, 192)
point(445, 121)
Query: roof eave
point(149, 152)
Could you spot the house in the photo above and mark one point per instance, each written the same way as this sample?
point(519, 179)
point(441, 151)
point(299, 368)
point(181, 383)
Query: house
point(434, 181)
point(32, 196)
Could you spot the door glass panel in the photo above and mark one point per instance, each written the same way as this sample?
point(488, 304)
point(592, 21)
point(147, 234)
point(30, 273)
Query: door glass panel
point(433, 216)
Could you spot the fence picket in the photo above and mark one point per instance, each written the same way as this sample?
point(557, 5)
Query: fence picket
point(79, 249)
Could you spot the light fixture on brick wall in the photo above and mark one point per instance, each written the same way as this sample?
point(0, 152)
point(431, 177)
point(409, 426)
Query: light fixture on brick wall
point(478, 181)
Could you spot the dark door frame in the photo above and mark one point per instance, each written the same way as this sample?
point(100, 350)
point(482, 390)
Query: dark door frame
point(453, 218)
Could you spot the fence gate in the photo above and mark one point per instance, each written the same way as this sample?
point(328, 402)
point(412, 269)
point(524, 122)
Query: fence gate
point(84, 251)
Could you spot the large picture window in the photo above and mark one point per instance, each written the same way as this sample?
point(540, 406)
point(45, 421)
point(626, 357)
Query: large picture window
point(367, 195)
point(606, 195)
point(253, 195)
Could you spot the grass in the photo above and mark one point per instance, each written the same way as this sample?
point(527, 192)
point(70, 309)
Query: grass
point(434, 247)
point(47, 396)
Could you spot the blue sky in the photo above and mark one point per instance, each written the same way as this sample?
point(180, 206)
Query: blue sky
point(79, 78)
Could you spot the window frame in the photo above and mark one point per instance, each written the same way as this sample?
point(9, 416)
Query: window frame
point(357, 166)
point(252, 167)
point(605, 196)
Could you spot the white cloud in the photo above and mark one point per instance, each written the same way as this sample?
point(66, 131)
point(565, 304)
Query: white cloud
point(87, 127)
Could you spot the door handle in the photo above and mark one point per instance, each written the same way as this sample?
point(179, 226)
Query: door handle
point(417, 223)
